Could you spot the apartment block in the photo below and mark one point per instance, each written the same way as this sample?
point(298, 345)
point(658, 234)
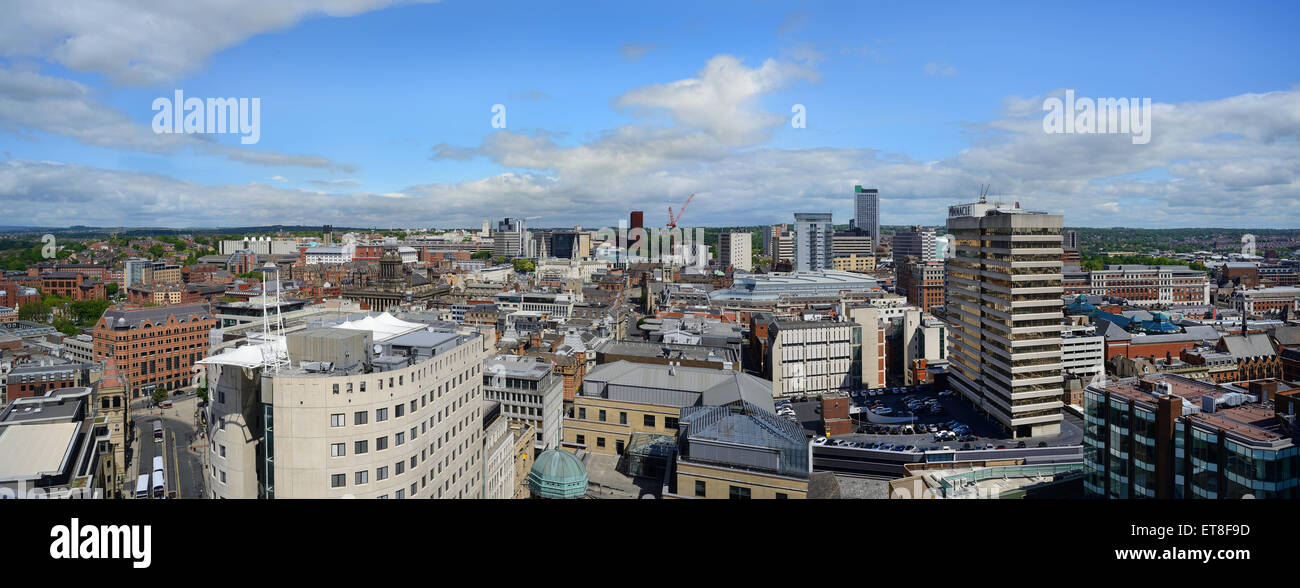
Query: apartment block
point(735, 250)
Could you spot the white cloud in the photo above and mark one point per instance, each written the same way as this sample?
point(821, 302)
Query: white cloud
point(31, 102)
point(146, 42)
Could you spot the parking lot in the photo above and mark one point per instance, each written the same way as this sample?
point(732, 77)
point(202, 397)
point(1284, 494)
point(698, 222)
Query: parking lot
point(968, 427)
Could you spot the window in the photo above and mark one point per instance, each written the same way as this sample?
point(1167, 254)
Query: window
point(359, 447)
point(223, 451)
point(582, 440)
point(622, 418)
point(336, 420)
point(223, 476)
point(400, 494)
point(582, 413)
point(338, 481)
point(738, 493)
point(360, 417)
point(338, 450)
point(782, 496)
point(362, 477)
point(699, 488)
point(381, 414)
point(649, 420)
point(399, 410)
point(381, 443)
point(618, 446)
point(399, 438)
point(381, 473)
point(670, 422)
point(336, 388)
point(400, 467)
point(600, 441)
point(602, 416)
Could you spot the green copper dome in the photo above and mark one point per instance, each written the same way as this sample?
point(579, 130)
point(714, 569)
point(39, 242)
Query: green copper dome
point(557, 474)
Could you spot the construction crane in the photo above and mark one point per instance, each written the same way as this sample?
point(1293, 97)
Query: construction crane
point(672, 220)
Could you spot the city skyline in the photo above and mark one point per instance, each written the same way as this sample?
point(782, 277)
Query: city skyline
point(363, 119)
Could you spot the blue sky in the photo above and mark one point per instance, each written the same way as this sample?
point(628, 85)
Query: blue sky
point(924, 100)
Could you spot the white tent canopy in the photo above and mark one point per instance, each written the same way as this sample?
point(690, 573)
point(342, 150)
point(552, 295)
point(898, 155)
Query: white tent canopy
point(384, 326)
point(251, 355)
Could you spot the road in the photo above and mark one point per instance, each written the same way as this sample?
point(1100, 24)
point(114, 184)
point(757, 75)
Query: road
point(182, 461)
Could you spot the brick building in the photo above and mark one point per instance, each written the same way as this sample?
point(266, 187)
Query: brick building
point(154, 347)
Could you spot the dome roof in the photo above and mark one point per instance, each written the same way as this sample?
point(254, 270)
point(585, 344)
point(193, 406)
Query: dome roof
point(557, 474)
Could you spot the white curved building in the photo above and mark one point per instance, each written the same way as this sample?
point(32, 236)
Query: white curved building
point(371, 408)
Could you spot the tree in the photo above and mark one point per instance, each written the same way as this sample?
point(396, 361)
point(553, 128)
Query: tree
point(159, 396)
point(157, 251)
point(525, 265)
point(110, 289)
point(34, 311)
point(481, 255)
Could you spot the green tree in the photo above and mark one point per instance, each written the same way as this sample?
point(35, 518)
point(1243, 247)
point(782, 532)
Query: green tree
point(525, 265)
point(481, 255)
point(110, 289)
point(157, 251)
point(34, 311)
point(159, 396)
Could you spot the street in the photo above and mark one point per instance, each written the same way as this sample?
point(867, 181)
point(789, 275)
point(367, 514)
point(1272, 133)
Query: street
point(183, 463)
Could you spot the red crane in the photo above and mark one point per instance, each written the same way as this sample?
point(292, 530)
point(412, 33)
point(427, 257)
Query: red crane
point(672, 220)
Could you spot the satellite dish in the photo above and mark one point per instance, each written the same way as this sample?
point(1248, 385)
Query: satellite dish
point(379, 348)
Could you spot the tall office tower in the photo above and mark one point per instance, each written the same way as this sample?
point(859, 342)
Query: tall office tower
point(1003, 305)
point(510, 239)
point(487, 228)
point(866, 206)
point(736, 250)
point(1070, 240)
point(917, 242)
point(813, 245)
point(327, 234)
point(133, 272)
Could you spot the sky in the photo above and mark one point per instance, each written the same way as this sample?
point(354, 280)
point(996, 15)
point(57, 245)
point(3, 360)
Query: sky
point(380, 113)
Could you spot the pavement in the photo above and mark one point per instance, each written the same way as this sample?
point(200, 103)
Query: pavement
point(181, 447)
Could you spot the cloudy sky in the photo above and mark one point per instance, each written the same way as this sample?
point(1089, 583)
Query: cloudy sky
point(379, 113)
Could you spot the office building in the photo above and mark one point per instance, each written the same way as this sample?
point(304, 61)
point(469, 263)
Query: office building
point(1167, 436)
point(917, 242)
point(866, 209)
point(622, 399)
point(821, 357)
point(371, 407)
point(1070, 240)
point(1265, 301)
point(920, 281)
point(735, 250)
point(856, 242)
point(1143, 285)
point(813, 244)
point(498, 454)
point(510, 239)
point(1003, 306)
point(529, 393)
point(853, 263)
point(154, 347)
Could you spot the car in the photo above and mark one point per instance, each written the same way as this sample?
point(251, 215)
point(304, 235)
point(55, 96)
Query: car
point(1042, 444)
point(909, 448)
point(819, 441)
point(965, 446)
point(897, 448)
point(1020, 445)
point(946, 448)
point(988, 446)
point(166, 404)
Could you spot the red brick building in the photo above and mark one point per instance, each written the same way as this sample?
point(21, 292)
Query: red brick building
point(75, 286)
point(156, 346)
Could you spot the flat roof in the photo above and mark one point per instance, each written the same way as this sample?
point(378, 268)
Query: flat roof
point(29, 451)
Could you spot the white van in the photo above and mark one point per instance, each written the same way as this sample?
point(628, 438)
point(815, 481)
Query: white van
point(142, 486)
